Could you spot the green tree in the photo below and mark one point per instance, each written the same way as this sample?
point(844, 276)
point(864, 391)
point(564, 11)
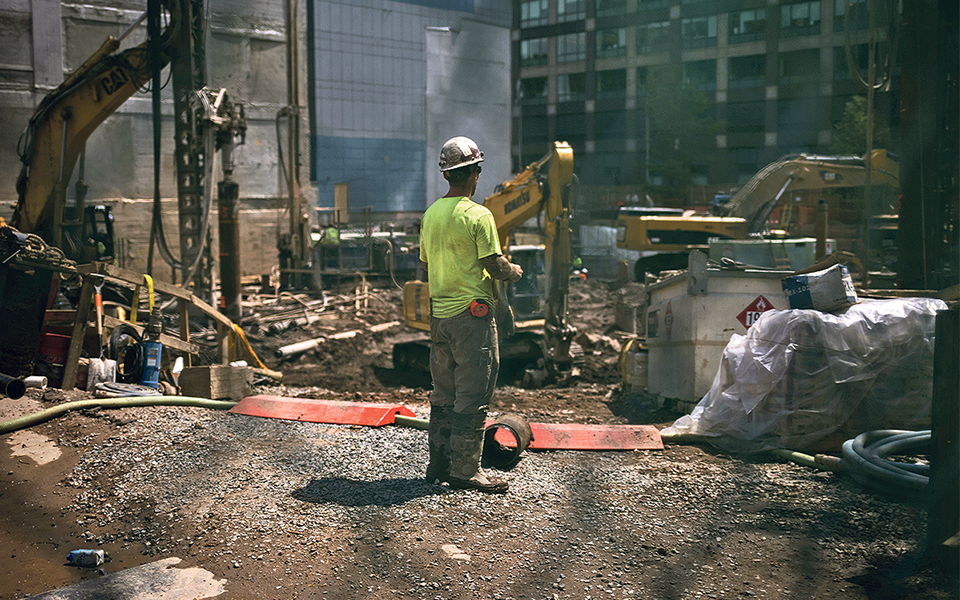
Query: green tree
point(850, 132)
point(681, 128)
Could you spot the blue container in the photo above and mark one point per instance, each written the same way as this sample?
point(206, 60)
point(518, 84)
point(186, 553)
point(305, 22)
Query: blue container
point(151, 364)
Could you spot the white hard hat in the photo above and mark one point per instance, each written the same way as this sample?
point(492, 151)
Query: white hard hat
point(459, 152)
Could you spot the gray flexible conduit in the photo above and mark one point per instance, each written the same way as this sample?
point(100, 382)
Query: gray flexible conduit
point(865, 458)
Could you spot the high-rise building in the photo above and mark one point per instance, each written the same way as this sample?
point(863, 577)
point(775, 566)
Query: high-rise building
point(716, 89)
point(390, 81)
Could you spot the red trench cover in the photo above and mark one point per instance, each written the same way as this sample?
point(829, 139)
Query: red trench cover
point(321, 411)
point(572, 436)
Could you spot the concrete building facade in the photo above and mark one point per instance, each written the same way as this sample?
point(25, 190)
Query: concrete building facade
point(382, 83)
point(774, 75)
point(391, 81)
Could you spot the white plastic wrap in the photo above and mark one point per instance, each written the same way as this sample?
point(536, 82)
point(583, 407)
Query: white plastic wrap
point(808, 380)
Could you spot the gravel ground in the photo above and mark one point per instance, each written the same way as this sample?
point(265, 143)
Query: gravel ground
point(283, 509)
point(279, 510)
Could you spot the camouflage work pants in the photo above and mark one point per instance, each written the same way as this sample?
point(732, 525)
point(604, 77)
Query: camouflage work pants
point(464, 364)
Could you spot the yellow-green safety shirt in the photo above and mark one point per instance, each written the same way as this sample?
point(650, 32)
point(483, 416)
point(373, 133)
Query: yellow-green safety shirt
point(455, 234)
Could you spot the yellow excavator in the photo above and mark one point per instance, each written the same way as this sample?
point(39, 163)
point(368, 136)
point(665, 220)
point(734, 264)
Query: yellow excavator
point(673, 236)
point(542, 335)
point(54, 140)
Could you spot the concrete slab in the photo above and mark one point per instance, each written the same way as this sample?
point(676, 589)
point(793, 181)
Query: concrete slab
point(153, 581)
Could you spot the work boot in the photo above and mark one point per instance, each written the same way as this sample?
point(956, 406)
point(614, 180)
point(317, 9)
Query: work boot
point(438, 442)
point(466, 445)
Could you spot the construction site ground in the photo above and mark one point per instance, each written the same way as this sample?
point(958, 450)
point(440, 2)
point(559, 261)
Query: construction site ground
point(267, 508)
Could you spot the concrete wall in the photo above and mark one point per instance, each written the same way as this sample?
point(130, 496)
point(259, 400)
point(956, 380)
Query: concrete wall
point(468, 93)
point(393, 81)
point(386, 83)
point(258, 231)
point(42, 41)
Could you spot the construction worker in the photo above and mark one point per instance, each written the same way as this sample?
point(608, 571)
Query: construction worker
point(460, 251)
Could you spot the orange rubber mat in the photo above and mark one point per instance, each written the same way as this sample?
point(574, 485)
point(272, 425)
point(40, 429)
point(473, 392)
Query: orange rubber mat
point(320, 411)
point(573, 436)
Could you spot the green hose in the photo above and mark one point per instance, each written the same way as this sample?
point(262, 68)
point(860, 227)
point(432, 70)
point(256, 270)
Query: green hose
point(412, 422)
point(55, 411)
point(820, 461)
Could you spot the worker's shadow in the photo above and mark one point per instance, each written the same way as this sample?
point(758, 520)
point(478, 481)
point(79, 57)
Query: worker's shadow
point(353, 492)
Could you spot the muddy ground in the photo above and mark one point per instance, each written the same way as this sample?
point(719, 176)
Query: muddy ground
point(275, 509)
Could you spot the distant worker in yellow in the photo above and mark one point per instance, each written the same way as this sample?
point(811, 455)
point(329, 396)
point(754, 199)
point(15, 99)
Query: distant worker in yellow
point(461, 252)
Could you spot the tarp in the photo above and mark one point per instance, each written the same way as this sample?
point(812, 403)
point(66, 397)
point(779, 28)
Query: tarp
point(809, 380)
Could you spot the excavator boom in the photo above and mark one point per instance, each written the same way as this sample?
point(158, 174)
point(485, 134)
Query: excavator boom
point(59, 128)
point(755, 200)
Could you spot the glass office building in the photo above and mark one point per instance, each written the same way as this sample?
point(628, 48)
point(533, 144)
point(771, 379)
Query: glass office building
point(768, 78)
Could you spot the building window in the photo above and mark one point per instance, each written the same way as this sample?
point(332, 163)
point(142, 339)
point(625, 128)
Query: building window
point(571, 127)
point(802, 66)
point(748, 25)
point(534, 90)
point(652, 37)
point(651, 4)
point(607, 8)
point(571, 88)
point(571, 10)
point(611, 84)
point(647, 77)
point(799, 19)
point(534, 52)
point(701, 74)
point(699, 32)
point(610, 125)
point(746, 117)
point(797, 122)
point(533, 13)
point(747, 71)
point(841, 70)
point(611, 42)
point(572, 47)
point(859, 17)
point(748, 163)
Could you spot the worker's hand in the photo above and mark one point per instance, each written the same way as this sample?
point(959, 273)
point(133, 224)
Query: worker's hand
point(515, 272)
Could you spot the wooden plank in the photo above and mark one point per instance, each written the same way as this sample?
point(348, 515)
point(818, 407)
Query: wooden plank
point(185, 328)
point(72, 361)
point(168, 341)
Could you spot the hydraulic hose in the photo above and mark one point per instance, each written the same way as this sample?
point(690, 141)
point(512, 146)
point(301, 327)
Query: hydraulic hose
point(864, 457)
point(60, 409)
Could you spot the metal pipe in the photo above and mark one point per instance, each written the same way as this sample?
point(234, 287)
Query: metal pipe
point(132, 27)
point(13, 387)
point(501, 455)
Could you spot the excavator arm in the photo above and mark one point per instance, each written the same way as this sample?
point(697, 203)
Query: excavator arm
point(543, 187)
point(672, 237)
point(755, 200)
point(59, 128)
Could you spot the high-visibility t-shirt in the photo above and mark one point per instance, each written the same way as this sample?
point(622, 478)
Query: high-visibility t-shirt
point(455, 234)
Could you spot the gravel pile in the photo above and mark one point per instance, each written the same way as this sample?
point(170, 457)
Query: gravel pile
point(285, 509)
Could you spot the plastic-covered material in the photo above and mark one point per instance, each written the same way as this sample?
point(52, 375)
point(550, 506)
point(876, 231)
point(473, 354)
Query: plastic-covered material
point(808, 380)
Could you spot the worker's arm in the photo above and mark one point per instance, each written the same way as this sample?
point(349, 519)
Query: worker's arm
point(500, 268)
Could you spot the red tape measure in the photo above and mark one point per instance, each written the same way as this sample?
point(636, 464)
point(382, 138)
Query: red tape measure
point(479, 309)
